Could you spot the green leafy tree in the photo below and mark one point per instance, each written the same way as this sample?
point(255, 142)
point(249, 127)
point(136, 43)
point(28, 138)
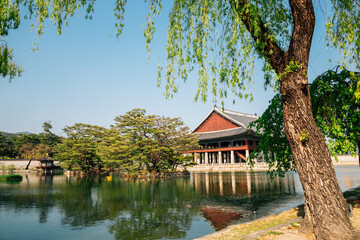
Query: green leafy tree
point(154, 143)
point(24, 138)
point(47, 137)
point(220, 40)
point(32, 151)
point(273, 145)
point(9, 19)
point(336, 106)
point(334, 96)
point(79, 150)
point(6, 146)
point(112, 150)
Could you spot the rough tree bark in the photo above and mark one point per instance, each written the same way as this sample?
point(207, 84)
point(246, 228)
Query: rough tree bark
point(325, 207)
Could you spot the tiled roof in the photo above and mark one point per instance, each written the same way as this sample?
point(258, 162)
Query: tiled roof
point(241, 119)
point(222, 133)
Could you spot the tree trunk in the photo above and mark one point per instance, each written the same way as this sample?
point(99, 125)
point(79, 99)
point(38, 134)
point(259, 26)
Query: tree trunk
point(325, 207)
point(27, 166)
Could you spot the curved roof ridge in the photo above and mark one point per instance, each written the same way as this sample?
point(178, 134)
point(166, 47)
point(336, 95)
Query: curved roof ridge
point(239, 119)
point(219, 111)
point(238, 113)
point(223, 130)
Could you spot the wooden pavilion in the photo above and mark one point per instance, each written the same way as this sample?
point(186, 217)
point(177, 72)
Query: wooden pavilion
point(47, 163)
point(224, 137)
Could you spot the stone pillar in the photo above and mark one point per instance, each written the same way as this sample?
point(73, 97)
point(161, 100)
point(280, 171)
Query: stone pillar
point(206, 157)
point(232, 156)
point(220, 157)
point(247, 153)
point(196, 158)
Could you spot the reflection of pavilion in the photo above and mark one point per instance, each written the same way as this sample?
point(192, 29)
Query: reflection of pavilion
point(225, 139)
point(230, 184)
point(236, 196)
point(223, 183)
point(220, 216)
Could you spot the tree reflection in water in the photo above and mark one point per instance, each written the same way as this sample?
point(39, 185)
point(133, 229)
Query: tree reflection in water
point(148, 209)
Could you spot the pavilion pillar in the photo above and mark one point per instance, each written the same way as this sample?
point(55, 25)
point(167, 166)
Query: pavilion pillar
point(206, 157)
point(220, 157)
point(247, 153)
point(196, 158)
point(232, 156)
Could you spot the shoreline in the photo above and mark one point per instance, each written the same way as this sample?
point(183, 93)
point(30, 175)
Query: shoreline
point(283, 225)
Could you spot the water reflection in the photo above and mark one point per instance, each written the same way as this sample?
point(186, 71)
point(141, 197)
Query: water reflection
point(240, 196)
point(136, 210)
point(111, 207)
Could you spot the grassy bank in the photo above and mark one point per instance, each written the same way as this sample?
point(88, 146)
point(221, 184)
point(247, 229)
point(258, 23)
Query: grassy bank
point(12, 177)
point(242, 230)
point(284, 224)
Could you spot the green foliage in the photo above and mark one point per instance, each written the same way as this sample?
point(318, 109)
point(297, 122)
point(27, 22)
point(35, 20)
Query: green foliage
point(336, 109)
point(9, 19)
point(343, 30)
point(207, 37)
point(24, 138)
point(153, 143)
point(112, 150)
point(32, 151)
point(47, 137)
point(11, 177)
point(273, 145)
point(304, 136)
point(57, 11)
point(6, 147)
point(79, 150)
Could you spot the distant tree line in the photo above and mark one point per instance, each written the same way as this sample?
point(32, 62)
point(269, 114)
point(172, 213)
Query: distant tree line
point(136, 142)
point(29, 145)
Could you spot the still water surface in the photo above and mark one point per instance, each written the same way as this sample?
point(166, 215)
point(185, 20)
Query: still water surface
point(61, 207)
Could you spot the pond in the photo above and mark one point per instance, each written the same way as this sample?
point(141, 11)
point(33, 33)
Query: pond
point(61, 207)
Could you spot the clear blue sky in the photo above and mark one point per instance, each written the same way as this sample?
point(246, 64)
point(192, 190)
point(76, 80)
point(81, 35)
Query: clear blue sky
point(85, 75)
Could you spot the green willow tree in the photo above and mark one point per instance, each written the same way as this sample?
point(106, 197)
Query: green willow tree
point(335, 97)
point(220, 39)
point(9, 19)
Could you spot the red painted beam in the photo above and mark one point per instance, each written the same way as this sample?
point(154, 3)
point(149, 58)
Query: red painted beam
point(221, 149)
